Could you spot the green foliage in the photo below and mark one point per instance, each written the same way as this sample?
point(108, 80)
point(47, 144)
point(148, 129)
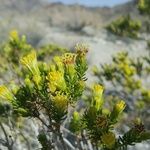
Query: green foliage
point(128, 74)
point(48, 91)
point(135, 135)
point(76, 123)
point(5, 109)
point(125, 26)
point(42, 138)
point(144, 7)
point(100, 124)
point(50, 50)
point(51, 90)
point(17, 46)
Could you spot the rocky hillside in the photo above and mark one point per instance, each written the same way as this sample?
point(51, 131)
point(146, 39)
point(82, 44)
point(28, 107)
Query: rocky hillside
point(33, 17)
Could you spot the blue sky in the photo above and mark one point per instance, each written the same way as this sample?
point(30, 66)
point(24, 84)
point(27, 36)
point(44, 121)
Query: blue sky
point(93, 2)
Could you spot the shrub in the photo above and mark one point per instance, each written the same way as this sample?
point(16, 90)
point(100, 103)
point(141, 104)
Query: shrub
point(144, 7)
point(126, 77)
point(17, 46)
point(125, 26)
point(48, 92)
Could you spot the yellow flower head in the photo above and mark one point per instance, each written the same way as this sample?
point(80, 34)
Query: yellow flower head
point(97, 96)
point(60, 101)
point(68, 58)
point(30, 61)
point(14, 35)
point(119, 107)
point(95, 70)
point(81, 49)
point(14, 88)
point(37, 79)
point(28, 82)
point(56, 81)
point(59, 63)
point(117, 110)
point(108, 139)
point(98, 90)
point(76, 116)
point(137, 121)
point(69, 62)
point(52, 67)
point(5, 93)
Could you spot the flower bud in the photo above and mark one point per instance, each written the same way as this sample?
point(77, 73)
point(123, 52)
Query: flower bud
point(59, 63)
point(60, 101)
point(118, 108)
point(108, 139)
point(5, 93)
point(76, 116)
point(30, 61)
point(69, 63)
point(97, 92)
point(14, 35)
point(56, 81)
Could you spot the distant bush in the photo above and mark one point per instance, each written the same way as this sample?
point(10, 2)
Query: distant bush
point(144, 7)
point(125, 26)
point(76, 26)
point(126, 77)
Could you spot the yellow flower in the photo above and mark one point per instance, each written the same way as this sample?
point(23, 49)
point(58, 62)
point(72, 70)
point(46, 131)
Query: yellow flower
point(60, 101)
point(52, 67)
point(106, 111)
point(69, 63)
point(119, 107)
point(5, 93)
point(76, 116)
point(37, 79)
point(30, 61)
point(56, 81)
point(108, 139)
point(117, 110)
point(98, 90)
point(95, 70)
point(137, 121)
point(14, 88)
point(97, 96)
point(69, 58)
point(28, 82)
point(59, 63)
point(81, 49)
point(14, 35)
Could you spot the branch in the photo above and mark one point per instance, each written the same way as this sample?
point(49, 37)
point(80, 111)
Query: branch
point(6, 137)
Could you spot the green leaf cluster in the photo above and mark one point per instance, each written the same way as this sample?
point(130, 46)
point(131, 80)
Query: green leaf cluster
point(125, 26)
